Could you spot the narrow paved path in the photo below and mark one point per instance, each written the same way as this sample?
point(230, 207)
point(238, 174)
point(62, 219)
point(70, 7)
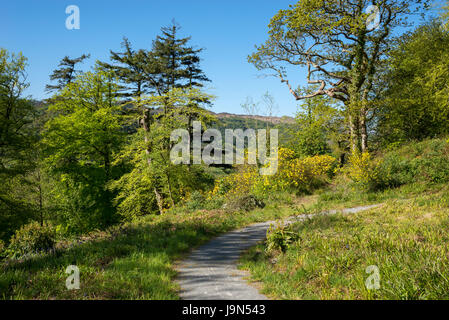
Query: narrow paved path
point(210, 272)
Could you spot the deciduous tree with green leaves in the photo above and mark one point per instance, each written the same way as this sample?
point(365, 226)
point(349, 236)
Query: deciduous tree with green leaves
point(155, 75)
point(341, 45)
point(415, 102)
point(148, 156)
point(16, 141)
point(318, 128)
point(79, 144)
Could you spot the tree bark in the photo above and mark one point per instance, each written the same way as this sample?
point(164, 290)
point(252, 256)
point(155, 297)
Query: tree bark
point(158, 200)
point(169, 190)
point(146, 128)
point(39, 187)
point(363, 131)
point(353, 134)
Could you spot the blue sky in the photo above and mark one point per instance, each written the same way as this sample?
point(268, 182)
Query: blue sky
point(228, 30)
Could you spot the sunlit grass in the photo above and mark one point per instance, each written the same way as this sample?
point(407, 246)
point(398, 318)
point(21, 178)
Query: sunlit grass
point(139, 264)
point(406, 238)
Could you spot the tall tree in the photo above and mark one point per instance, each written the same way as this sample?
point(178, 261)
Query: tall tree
point(341, 47)
point(79, 145)
point(66, 73)
point(16, 141)
point(415, 102)
point(177, 64)
point(170, 64)
point(317, 127)
point(129, 67)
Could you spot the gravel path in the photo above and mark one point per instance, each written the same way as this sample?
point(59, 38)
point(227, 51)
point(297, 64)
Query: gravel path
point(210, 272)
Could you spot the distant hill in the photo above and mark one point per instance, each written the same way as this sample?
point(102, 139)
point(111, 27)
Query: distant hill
point(225, 120)
point(285, 125)
point(272, 120)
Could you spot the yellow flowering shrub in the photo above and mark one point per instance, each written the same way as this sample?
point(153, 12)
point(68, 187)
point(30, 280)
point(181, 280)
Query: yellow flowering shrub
point(293, 174)
point(238, 183)
point(302, 174)
point(362, 169)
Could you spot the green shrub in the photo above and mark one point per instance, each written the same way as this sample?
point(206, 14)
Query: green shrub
point(433, 163)
point(2, 250)
point(394, 171)
point(32, 238)
point(426, 161)
point(245, 203)
point(280, 238)
point(214, 203)
point(363, 170)
point(196, 201)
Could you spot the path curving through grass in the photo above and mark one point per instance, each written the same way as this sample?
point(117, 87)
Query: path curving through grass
point(210, 272)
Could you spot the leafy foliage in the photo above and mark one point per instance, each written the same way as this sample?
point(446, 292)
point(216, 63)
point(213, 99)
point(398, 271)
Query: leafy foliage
point(303, 175)
point(244, 203)
point(415, 102)
point(2, 250)
point(66, 73)
point(196, 201)
point(17, 140)
point(363, 170)
point(294, 174)
point(280, 238)
point(153, 180)
point(341, 52)
point(32, 238)
point(318, 128)
point(426, 162)
point(79, 143)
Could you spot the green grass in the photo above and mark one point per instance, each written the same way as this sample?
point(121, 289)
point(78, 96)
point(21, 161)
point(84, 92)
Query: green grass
point(406, 238)
point(137, 264)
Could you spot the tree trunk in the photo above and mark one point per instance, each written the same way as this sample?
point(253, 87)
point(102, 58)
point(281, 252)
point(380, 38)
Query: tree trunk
point(169, 190)
point(159, 201)
point(363, 115)
point(146, 128)
point(39, 187)
point(353, 135)
point(363, 131)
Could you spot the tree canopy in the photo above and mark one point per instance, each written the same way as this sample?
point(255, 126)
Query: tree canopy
point(66, 72)
point(339, 46)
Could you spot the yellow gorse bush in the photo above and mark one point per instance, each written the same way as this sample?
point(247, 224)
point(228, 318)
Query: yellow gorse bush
point(236, 183)
point(362, 169)
point(292, 174)
point(302, 173)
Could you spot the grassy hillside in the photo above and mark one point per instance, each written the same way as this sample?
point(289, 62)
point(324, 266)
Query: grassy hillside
point(285, 124)
point(135, 261)
point(406, 238)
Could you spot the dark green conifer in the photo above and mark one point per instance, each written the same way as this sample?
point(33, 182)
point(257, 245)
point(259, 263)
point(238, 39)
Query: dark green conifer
point(66, 72)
